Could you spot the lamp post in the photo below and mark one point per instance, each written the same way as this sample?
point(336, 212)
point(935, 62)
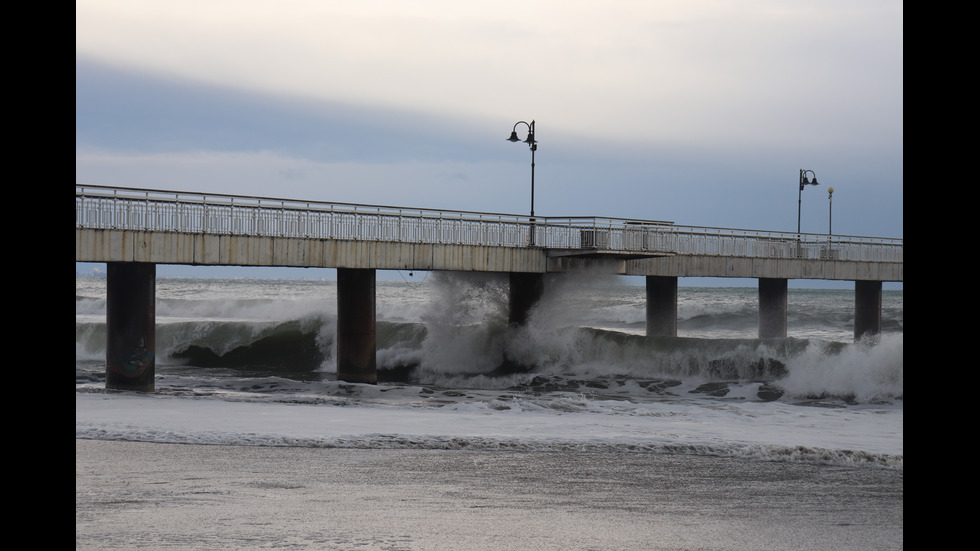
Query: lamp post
point(830, 217)
point(530, 141)
point(799, 208)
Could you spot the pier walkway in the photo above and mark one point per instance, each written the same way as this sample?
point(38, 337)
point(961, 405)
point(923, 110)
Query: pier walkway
point(133, 230)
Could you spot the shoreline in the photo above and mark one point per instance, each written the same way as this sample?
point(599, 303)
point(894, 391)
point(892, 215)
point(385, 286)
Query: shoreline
point(190, 496)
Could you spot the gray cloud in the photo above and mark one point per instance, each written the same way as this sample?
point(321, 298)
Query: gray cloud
point(698, 112)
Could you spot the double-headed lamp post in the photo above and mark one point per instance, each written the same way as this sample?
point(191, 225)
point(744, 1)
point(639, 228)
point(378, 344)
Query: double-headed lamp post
point(803, 182)
point(534, 147)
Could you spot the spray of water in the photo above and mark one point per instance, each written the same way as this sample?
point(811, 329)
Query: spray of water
point(865, 371)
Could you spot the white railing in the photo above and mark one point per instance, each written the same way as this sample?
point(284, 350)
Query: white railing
point(99, 207)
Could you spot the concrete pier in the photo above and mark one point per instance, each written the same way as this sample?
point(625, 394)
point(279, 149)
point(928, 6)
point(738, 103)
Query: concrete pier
point(356, 336)
point(772, 307)
point(130, 326)
point(525, 291)
point(132, 230)
point(867, 308)
point(661, 306)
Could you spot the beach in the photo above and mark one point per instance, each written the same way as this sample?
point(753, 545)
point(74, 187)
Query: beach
point(144, 495)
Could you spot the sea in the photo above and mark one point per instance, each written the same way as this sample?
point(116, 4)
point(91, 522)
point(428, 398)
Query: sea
point(251, 362)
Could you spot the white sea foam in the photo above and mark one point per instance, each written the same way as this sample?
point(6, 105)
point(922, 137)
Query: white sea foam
point(842, 402)
point(866, 372)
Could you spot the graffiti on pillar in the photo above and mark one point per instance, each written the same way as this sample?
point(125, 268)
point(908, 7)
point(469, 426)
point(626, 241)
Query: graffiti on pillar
point(138, 360)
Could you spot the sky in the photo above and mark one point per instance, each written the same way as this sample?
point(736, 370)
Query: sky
point(700, 112)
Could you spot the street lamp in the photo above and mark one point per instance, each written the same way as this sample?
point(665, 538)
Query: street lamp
point(799, 208)
point(830, 218)
point(534, 147)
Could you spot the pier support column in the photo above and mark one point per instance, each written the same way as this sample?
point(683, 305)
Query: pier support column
point(130, 326)
point(772, 307)
point(661, 306)
point(867, 308)
point(357, 358)
point(525, 291)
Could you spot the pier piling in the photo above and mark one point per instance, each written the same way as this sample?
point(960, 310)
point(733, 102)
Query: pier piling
point(867, 308)
point(356, 336)
point(661, 306)
point(525, 291)
point(130, 326)
point(773, 293)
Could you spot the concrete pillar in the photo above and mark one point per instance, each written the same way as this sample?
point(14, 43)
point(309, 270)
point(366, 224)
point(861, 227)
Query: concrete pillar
point(772, 307)
point(130, 326)
point(867, 308)
point(357, 358)
point(661, 306)
point(525, 291)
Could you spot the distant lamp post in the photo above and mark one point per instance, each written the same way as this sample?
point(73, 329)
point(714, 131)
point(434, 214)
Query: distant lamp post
point(830, 219)
point(530, 141)
point(799, 208)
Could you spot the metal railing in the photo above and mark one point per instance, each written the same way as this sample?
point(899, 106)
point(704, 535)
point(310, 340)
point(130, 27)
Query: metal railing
point(100, 207)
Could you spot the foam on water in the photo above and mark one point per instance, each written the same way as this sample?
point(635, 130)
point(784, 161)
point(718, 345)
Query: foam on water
point(253, 363)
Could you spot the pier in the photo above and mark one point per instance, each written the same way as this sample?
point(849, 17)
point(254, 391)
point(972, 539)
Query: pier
point(132, 230)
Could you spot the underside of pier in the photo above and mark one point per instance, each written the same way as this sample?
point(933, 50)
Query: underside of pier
point(130, 318)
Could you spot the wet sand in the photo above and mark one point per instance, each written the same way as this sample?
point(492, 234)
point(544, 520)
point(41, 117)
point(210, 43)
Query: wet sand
point(131, 495)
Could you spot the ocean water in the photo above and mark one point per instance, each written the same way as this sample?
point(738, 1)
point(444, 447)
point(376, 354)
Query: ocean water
point(250, 362)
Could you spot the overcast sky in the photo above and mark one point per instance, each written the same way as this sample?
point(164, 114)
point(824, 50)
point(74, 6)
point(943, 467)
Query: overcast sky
point(701, 112)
